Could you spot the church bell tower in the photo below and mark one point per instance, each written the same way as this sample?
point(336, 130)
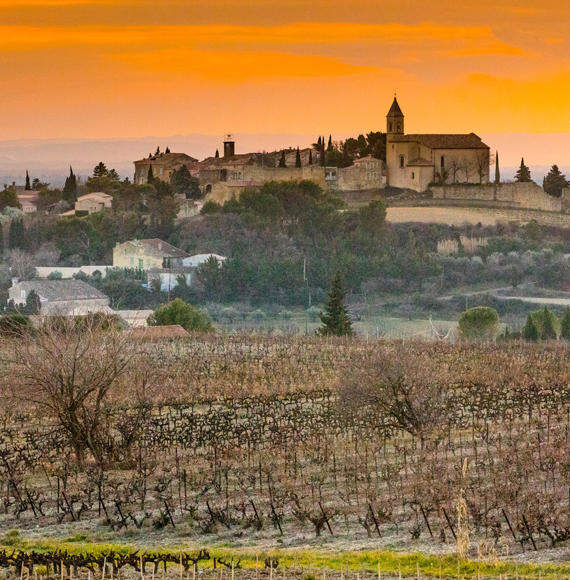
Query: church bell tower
point(395, 119)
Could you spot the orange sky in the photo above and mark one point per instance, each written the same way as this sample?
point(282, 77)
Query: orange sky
point(104, 68)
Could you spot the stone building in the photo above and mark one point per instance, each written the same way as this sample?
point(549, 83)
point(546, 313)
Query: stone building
point(415, 161)
point(162, 164)
point(62, 297)
point(147, 255)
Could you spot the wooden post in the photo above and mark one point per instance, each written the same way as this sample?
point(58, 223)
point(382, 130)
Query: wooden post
point(399, 570)
point(418, 569)
point(379, 577)
point(104, 568)
point(61, 568)
point(233, 577)
point(142, 569)
point(257, 567)
point(270, 568)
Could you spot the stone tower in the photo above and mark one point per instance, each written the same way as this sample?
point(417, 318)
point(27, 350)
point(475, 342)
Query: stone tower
point(229, 146)
point(395, 119)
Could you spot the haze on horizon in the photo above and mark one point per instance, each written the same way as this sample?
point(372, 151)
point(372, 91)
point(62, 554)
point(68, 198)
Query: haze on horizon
point(116, 68)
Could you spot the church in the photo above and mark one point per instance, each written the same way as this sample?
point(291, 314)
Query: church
point(416, 161)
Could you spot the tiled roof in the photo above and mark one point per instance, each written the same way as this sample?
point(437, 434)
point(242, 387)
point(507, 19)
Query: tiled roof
point(164, 248)
point(395, 110)
point(58, 290)
point(95, 195)
point(420, 162)
point(167, 159)
point(470, 141)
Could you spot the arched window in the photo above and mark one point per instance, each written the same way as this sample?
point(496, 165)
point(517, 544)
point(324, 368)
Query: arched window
point(398, 127)
point(402, 161)
point(390, 127)
point(208, 188)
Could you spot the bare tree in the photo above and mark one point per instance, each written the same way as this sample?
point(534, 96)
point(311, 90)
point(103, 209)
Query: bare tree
point(405, 398)
point(22, 264)
point(466, 165)
point(68, 367)
point(483, 162)
point(453, 168)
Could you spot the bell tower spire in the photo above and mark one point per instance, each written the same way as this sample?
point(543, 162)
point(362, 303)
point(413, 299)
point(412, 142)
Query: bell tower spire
point(395, 119)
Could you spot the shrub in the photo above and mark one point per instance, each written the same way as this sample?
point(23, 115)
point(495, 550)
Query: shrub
point(479, 323)
point(57, 275)
point(179, 312)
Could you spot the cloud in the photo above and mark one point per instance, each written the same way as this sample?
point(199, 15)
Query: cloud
point(476, 40)
point(239, 67)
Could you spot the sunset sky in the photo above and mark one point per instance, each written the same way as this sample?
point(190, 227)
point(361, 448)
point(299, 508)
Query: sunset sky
point(107, 68)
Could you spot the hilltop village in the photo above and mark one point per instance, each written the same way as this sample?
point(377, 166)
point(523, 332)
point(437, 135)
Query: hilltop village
point(264, 228)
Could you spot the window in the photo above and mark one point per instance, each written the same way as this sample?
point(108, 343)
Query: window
point(399, 127)
point(23, 293)
point(367, 176)
point(402, 162)
point(375, 175)
point(155, 170)
point(132, 261)
point(413, 175)
point(392, 146)
point(390, 127)
point(161, 171)
point(442, 161)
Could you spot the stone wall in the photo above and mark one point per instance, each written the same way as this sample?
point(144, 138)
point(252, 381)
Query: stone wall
point(518, 195)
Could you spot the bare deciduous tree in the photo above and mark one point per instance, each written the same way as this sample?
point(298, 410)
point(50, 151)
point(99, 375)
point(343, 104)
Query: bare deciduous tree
point(68, 367)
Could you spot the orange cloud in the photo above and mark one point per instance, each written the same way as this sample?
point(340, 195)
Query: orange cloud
point(234, 67)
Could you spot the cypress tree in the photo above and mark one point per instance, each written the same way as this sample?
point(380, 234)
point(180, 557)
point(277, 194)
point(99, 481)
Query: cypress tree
point(530, 331)
point(330, 145)
point(298, 159)
point(28, 185)
point(282, 162)
point(70, 187)
point(497, 170)
point(565, 324)
point(335, 319)
point(311, 157)
point(523, 174)
point(217, 156)
point(150, 176)
point(548, 331)
point(167, 150)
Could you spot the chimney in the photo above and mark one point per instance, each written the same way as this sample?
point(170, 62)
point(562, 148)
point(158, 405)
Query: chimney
point(13, 184)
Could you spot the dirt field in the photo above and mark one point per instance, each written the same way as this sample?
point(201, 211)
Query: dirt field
point(441, 215)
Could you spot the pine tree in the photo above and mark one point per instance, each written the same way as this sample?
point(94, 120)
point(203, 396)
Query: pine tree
point(28, 185)
point(497, 170)
point(150, 176)
point(548, 331)
point(555, 182)
point(530, 331)
point(282, 162)
point(523, 174)
point(217, 155)
point(298, 159)
point(335, 318)
point(311, 157)
point(565, 324)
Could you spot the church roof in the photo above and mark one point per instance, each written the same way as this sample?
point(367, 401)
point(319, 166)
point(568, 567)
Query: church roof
point(470, 141)
point(395, 110)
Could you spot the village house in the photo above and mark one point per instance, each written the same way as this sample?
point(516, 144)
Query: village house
point(416, 161)
point(162, 166)
point(62, 297)
point(91, 203)
point(147, 255)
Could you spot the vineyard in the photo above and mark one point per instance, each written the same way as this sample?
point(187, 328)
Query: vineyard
point(294, 441)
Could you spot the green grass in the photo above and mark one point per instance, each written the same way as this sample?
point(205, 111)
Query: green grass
point(390, 563)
